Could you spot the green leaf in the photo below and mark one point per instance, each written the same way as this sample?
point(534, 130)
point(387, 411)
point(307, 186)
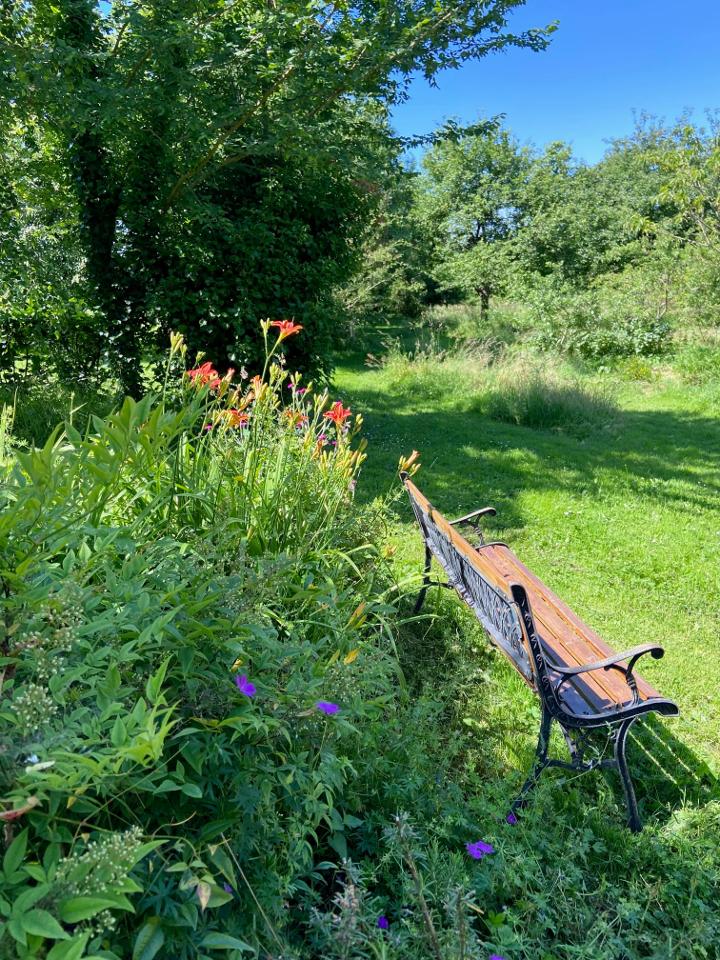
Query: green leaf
point(149, 940)
point(70, 949)
point(223, 941)
point(15, 853)
point(76, 909)
point(43, 924)
point(118, 734)
point(192, 790)
point(16, 931)
point(339, 843)
point(155, 682)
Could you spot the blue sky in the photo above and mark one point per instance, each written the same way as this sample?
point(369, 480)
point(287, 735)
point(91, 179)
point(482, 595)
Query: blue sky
point(607, 59)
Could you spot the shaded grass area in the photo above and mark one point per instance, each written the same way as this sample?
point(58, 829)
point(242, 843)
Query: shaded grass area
point(35, 410)
point(623, 523)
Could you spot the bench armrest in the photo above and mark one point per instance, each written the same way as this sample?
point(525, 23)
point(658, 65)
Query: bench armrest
point(469, 517)
point(610, 663)
point(613, 663)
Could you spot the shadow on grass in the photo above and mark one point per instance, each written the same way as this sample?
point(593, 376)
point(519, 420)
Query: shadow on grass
point(665, 456)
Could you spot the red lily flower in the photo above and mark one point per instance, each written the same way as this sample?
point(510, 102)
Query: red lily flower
point(205, 376)
point(236, 418)
point(286, 327)
point(337, 413)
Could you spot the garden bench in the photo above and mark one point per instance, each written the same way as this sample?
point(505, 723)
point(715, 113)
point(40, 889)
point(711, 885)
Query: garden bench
point(580, 681)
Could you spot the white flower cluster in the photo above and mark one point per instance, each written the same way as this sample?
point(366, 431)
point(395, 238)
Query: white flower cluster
point(33, 708)
point(52, 632)
point(101, 865)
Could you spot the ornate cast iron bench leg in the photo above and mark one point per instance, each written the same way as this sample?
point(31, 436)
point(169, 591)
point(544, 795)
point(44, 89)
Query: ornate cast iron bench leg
point(541, 762)
point(634, 821)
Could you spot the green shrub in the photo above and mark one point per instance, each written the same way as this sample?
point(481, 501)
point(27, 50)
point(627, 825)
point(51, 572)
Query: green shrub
point(181, 586)
point(637, 369)
point(618, 320)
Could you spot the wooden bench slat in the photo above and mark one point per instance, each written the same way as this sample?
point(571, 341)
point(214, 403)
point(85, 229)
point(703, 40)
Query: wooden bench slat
point(567, 639)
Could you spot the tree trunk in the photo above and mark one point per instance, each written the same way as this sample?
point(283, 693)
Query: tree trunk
point(99, 194)
point(484, 293)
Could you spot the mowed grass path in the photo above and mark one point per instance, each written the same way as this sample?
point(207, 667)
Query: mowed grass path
point(624, 525)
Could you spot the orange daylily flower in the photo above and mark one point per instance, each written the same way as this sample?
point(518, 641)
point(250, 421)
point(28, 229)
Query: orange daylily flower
point(205, 376)
point(296, 418)
point(286, 327)
point(337, 413)
point(236, 418)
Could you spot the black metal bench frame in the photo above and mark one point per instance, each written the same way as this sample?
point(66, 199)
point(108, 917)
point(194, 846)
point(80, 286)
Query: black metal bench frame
point(547, 678)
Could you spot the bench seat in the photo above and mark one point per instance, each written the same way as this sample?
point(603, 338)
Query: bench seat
point(568, 642)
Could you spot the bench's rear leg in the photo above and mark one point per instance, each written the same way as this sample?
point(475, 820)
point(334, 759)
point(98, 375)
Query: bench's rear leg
point(634, 821)
point(426, 581)
point(541, 761)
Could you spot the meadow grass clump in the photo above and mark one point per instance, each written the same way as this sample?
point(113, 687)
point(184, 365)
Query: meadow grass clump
point(429, 372)
point(699, 362)
point(529, 396)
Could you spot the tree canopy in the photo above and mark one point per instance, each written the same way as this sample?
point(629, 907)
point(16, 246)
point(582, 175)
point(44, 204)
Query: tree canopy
point(213, 161)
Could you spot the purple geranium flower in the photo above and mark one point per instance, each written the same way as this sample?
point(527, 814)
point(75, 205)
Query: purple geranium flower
point(495, 956)
point(324, 706)
point(244, 685)
point(479, 849)
point(228, 889)
point(383, 922)
point(511, 819)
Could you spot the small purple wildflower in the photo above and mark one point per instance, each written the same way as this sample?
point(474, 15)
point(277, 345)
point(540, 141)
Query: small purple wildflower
point(495, 956)
point(479, 849)
point(323, 437)
point(228, 889)
point(244, 685)
point(511, 819)
point(383, 922)
point(324, 706)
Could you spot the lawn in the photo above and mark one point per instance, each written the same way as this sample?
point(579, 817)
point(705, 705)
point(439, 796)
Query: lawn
point(623, 523)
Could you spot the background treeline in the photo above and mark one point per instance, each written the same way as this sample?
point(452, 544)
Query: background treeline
point(197, 165)
point(598, 261)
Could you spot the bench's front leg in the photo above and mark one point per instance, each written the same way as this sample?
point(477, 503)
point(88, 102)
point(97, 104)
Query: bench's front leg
point(426, 581)
point(634, 821)
point(541, 761)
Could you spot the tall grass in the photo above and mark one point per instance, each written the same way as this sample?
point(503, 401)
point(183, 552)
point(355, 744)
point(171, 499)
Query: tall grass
point(525, 394)
point(502, 384)
point(37, 408)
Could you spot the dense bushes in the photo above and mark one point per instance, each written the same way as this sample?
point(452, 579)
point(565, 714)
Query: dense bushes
point(183, 588)
point(626, 317)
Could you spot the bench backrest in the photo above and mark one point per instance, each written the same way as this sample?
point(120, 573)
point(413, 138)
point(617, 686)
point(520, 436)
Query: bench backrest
point(476, 580)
